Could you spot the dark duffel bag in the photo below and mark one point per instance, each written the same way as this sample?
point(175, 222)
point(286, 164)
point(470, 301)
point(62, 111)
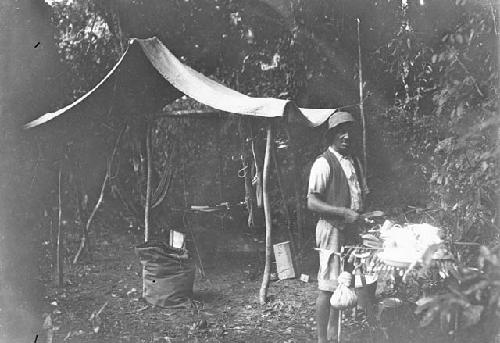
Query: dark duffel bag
point(168, 274)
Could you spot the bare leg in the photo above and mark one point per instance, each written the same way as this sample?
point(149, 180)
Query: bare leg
point(370, 303)
point(370, 312)
point(332, 324)
point(323, 314)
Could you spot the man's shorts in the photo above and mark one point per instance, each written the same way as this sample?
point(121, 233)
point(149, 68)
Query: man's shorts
point(329, 239)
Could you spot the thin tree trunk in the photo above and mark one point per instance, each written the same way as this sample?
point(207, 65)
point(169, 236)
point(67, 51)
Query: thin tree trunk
point(47, 325)
point(361, 105)
point(298, 197)
point(279, 176)
point(220, 168)
point(53, 245)
point(267, 213)
point(60, 241)
point(148, 196)
point(148, 183)
point(84, 241)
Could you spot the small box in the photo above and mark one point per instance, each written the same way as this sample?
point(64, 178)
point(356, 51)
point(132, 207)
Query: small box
point(284, 263)
point(177, 239)
point(304, 277)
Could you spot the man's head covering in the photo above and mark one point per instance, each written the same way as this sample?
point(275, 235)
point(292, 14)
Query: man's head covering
point(339, 118)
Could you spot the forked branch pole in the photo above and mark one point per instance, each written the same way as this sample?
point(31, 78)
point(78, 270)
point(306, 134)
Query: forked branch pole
point(267, 213)
point(84, 238)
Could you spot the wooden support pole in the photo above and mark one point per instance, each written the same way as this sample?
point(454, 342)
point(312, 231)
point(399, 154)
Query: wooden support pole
point(60, 240)
point(267, 213)
point(361, 106)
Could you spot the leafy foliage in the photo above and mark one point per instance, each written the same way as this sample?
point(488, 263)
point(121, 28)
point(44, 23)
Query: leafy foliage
point(445, 111)
point(471, 299)
point(85, 42)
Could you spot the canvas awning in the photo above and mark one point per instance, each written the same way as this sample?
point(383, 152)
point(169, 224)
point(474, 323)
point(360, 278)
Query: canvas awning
point(188, 81)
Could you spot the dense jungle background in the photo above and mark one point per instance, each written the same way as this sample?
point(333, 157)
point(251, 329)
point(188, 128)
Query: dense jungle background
point(430, 81)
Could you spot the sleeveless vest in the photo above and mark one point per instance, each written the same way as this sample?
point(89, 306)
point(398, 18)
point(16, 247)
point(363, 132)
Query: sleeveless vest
point(338, 194)
point(337, 191)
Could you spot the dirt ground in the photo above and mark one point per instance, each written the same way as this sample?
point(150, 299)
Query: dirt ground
point(101, 301)
point(225, 306)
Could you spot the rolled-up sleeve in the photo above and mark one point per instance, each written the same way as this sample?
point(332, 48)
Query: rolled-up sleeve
point(319, 176)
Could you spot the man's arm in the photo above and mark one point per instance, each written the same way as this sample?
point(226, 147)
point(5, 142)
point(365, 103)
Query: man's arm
point(314, 203)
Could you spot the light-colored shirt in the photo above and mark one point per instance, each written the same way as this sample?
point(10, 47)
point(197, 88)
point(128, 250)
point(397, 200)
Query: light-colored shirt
point(320, 176)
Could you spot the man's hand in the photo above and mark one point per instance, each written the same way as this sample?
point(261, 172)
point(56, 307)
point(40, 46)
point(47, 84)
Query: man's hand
point(314, 203)
point(350, 215)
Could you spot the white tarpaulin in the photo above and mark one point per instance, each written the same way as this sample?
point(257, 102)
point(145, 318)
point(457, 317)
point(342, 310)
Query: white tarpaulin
point(203, 89)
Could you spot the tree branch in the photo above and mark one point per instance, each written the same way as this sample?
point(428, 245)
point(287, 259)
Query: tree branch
point(105, 182)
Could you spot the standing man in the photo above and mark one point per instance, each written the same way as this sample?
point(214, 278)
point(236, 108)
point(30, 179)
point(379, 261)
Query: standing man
point(336, 192)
